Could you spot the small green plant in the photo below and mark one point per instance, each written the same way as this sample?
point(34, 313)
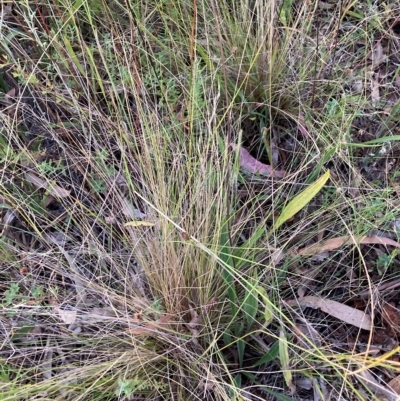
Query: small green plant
point(11, 294)
point(383, 262)
point(37, 292)
point(137, 386)
point(48, 167)
point(97, 184)
point(156, 308)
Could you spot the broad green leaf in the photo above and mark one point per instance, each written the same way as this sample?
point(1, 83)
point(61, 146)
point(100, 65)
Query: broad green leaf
point(21, 332)
point(269, 356)
point(138, 224)
point(227, 338)
point(73, 56)
point(301, 200)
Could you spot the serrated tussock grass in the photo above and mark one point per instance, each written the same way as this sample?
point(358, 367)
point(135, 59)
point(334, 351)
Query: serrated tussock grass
point(119, 112)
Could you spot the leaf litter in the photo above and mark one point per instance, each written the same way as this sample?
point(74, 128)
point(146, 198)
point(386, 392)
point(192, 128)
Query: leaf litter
point(53, 189)
point(340, 311)
point(335, 243)
point(252, 165)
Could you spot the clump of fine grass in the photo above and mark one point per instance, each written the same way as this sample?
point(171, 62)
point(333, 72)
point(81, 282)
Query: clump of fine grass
point(138, 259)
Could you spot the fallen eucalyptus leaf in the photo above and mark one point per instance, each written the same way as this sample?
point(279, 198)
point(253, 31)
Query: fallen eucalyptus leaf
point(382, 393)
point(150, 328)
point(249, 163)
point(375, 96)
point(130, 211)
point(67, 316)
point(394, 384)
point(53, 189)
point(335, 243)
point(340, 311)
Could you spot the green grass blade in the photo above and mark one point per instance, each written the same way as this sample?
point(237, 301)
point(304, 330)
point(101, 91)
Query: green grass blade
point(269, 356)
point(374, 142)
point(250, 304)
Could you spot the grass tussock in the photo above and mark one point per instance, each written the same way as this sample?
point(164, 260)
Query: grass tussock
point(141, 256)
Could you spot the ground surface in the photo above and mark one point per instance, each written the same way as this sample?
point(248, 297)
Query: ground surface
point(199, 200)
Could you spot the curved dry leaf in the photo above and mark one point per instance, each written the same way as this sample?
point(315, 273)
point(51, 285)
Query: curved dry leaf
point(150, 328)
point(391, 317)
point(375, 96)
point(67, 316)
point(335, 243)
point(382, 393)
point(340, 311)
point(377, 56)
point(52, 189)
point(249, 163)
point(394, 384)
point(130, 211)
point(10, 94)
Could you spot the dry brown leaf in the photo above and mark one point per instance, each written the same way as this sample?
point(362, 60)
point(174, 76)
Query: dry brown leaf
point(53, 189)
point(375, 97)
point(194, 325)
point(150, 327)
point(381, 392)
point(67, 316)
point(10, 94)
point(206, 385)
point(195, 322)
point(249, 163)
point(377, 56)
point(386, 286)
point(306, 335)
point(358, 86)
point(397, 80)
point(340, 311)
point(394, 384)
point(391, 317)
point(335, 243)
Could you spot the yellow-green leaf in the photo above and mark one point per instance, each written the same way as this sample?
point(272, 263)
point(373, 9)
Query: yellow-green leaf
point(284, 359)
point(139, 224)
point(73, 56)
point(301, 200)
point(268, 310)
